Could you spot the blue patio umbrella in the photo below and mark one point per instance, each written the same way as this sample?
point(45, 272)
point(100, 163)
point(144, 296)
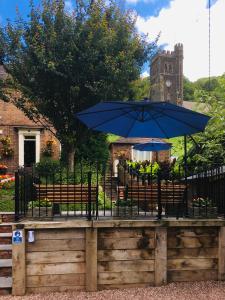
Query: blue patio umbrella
point(143, 119)
point(154, 145)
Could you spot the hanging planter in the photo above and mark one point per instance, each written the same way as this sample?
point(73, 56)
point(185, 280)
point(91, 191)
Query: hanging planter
point(7, 150)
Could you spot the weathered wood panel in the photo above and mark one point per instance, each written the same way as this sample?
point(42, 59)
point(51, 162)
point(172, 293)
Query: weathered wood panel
point(59, 234)
point(91, 259)
point(56, 280)
point(48, 289)
point(192, 237)
point(55, 257)
point(193, 252)
point(19, 267)
point(192, 264)
point(112, 255)
point(221, 254)
point(126, 243)
point(125, 277)
point(126, 233)
point(120, 266)
point(60, 268)
point(161, 256)
point(56, 245)
point(194, 275)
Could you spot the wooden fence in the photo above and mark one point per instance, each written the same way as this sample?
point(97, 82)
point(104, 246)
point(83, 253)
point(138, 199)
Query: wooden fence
point(95, 255)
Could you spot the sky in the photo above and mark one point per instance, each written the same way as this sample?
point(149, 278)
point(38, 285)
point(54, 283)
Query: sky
point(177, 21)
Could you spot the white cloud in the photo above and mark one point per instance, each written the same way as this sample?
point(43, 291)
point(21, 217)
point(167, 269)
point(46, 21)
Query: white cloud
point(187, 22)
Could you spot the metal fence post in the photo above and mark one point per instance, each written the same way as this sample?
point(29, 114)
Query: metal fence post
point(17, 198)
point(89, 196)
point(159, 196)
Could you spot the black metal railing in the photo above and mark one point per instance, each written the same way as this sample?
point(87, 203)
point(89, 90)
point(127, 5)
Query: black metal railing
point(91, 191)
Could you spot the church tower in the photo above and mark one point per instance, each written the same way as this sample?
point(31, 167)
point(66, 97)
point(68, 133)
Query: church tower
point(166, 75)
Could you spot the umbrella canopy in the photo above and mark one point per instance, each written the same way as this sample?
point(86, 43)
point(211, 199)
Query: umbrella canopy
point(143, 119)
point(152, 146)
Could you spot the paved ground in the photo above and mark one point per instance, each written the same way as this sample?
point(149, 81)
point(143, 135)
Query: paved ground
point(210, 290)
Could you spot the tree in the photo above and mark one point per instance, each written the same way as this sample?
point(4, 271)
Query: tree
point(140, 89)
point(189, 89)
point(63, 62)
point(211, 142)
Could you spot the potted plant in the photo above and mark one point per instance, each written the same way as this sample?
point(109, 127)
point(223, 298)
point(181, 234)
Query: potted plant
point(41, 209)
point(3, 169)
point(203, 208)
point(125, 208)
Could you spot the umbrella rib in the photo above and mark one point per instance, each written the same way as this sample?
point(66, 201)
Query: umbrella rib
point(99, 111)
point(161, 128)
point(177, 119)
point(134, 120)
point(108, 120)
point(184, 110)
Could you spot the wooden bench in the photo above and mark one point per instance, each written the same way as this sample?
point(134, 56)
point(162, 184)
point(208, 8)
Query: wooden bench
point(146, 197)
point(65, 194)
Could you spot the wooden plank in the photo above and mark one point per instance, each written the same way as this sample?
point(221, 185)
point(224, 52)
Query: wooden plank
point(126, 243)
point(91, 259)
point(193, 231)
point(60, 268)
point(18, 267)
point(132, 265)
point(192, 241)
point(55, 257)
point(123, 286)
point(192, 253)
point(194, 275)
point(221, 254)
point(114, 255)
point(5, 263)
point(126, 233)
point(56, 245)
point(125, 277)
point(161, 256)
point(56, 224)
point(56, 280)
point(124, 223)
point(62, 234)
point(5, 282)
point(192, 264)
point(50, 289)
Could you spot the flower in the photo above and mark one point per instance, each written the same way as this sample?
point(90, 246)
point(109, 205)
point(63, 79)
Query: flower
point(201, 202)
point(3, 167)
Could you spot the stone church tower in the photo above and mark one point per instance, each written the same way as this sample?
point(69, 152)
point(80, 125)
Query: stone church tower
point(166, 75)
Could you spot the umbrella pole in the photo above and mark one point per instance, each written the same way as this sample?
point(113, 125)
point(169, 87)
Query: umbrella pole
point(185, 172)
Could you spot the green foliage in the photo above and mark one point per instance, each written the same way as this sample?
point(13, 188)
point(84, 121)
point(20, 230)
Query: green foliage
point(47, 166)
point(212, 140)
point(7, 205)
point(140, 89)
point(65, 62)
point(42, 203)
point(96, 148)
point(189, 90)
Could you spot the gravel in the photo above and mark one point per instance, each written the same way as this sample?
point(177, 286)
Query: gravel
point(210, 290)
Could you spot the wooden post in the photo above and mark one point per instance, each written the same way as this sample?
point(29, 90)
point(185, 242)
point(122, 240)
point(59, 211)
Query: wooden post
point(18, 264)
point(91, 259)
point(221, 254)
point(161, 256)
